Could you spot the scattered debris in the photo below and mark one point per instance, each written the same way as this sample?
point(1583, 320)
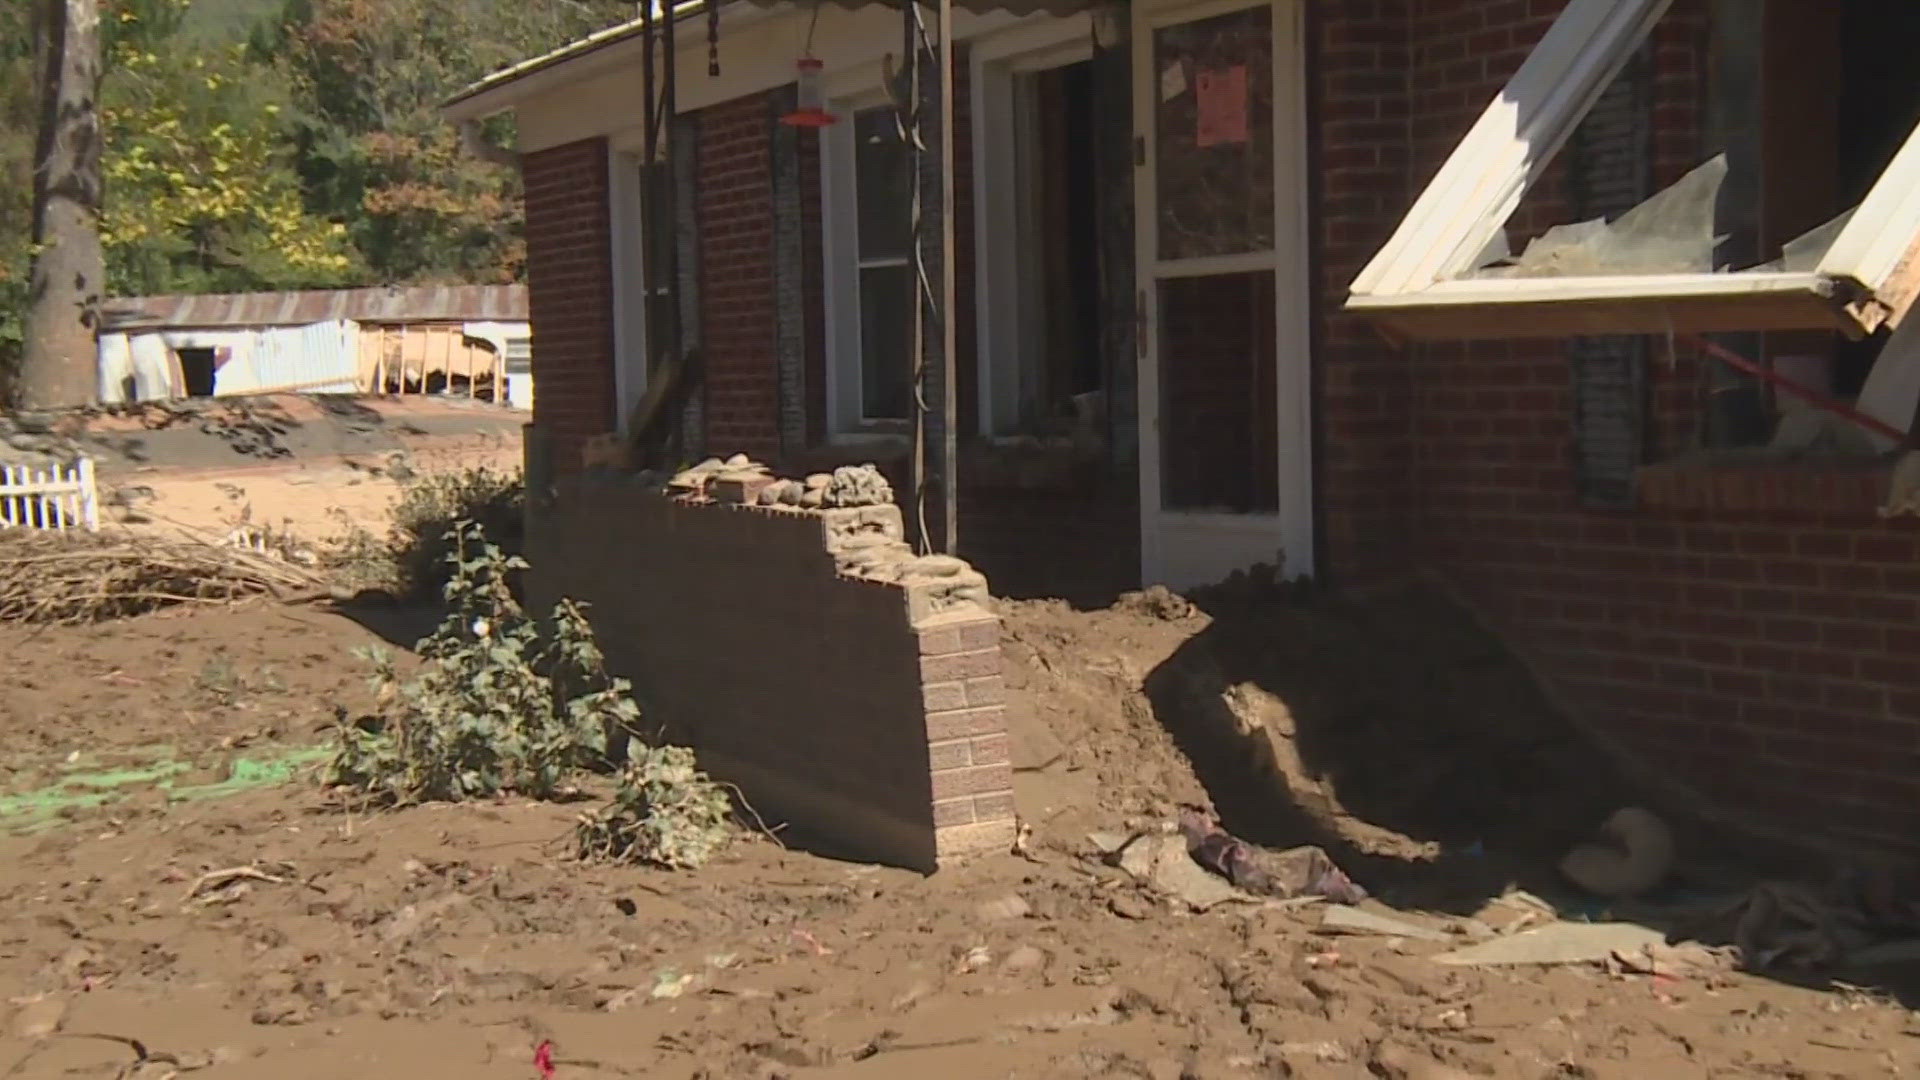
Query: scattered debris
point(214, 880)
point(1633, 853)
point(1557, 943)
point(1343, 919)
point(1295, 872)
point(975, 959)
point(1789, 925)
point(1010, 906)
point(1396, 1063)
point(76, 577)
point(1680, 961)
point(1162, 860)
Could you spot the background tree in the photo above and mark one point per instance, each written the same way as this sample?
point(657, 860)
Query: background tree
point(370, 76)
point(202, 194)
point(58, 362)
point(261, 144)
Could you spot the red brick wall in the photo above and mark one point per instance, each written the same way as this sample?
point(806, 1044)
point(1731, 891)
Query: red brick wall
point(1358, 131)
point(1751, 632)
point(738, 319)
point(570, 287)
point(742, 628)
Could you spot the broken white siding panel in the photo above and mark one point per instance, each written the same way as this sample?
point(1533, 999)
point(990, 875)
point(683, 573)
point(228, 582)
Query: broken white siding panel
point(1483, 181)
point(156, 372)
point(512, 351)
point(322, 358)
point(117, 382)
point(517, 363)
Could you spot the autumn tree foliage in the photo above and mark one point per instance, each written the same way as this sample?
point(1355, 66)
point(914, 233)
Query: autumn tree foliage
point(273, 144)
point(369, 76)
point(204, 196)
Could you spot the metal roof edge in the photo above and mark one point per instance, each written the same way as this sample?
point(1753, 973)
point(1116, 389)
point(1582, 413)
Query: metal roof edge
point(504, 89)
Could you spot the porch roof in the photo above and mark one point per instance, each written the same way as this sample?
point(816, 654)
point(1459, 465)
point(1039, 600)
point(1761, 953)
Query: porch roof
point(619, 45)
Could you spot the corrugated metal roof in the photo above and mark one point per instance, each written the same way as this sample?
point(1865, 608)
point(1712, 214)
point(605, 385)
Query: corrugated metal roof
point(420, 303)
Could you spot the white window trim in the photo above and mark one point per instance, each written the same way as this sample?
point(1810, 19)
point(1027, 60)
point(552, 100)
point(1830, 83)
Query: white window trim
point(1001, 319)
point(847, 93)
point(1413, 283)
point(629, 286)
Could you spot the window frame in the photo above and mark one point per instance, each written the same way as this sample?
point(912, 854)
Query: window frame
point(847, 422)
point(1003, 317)
point(634, 298)
point(1413, 286)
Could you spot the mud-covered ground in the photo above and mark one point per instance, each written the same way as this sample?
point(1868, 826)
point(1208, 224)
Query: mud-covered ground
point(139, 758)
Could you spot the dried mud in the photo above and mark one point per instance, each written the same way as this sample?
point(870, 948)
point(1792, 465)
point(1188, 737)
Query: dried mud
point(452, 941)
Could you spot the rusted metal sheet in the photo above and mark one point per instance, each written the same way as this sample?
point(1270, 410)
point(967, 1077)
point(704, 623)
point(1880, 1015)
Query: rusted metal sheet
point(416, 304)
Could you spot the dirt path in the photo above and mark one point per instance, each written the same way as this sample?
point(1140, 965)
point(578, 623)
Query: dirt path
point(451, 942)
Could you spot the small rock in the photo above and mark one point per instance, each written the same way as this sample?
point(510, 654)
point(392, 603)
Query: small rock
point(813, 499)
point(39, 1019)
point(284, 1009)
point(738, 461)
point(1010, 906)
point(1394, 1063)
point(977, 957)
point(912, 994)
point(818, 481)
point(1128, 906)
point(1025, 958)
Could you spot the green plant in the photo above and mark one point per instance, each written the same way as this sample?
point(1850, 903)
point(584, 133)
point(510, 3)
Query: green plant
point(497, 704)
point(664, 811)
point(430, 503)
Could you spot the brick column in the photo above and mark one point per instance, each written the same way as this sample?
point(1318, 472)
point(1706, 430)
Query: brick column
point(967, 746)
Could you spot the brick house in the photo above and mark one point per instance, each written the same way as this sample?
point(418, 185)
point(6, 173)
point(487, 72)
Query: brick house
point(1162, 379)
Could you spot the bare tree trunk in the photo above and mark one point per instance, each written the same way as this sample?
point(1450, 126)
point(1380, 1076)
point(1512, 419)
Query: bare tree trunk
point(61, 361)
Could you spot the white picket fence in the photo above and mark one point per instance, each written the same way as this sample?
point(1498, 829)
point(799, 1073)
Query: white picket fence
point(58, 497)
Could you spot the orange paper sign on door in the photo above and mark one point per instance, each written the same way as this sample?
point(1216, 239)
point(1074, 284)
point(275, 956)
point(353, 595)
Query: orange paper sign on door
point(1221, 95)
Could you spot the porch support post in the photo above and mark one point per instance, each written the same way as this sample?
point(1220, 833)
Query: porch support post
point(949, 393)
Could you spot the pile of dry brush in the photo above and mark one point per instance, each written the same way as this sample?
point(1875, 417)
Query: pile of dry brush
point(74, 577)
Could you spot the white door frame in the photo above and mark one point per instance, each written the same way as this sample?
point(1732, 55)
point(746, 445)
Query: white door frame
point(1181, 549)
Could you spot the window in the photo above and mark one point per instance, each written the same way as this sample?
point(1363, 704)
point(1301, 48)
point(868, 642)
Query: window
point(645, 232)
point(1036, 221)
point(1656, 269)
point(869, 252)
point(1794, 232)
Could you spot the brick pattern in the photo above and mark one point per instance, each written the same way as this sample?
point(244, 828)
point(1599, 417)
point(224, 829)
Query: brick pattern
point(570, 294)
point(686, 213)
point(790, 269)
point(1748, 631)
point(857, 710)
point(1359, 135)
point(740, 329)
point(968, 751)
